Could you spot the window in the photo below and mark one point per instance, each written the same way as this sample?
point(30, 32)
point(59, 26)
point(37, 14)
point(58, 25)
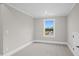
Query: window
point(49, 28)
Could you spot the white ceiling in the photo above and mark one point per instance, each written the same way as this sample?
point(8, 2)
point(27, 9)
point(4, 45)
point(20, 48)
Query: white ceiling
point(44, 9)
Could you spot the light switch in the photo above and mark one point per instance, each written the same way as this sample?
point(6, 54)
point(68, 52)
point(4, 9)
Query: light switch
point(6, 31)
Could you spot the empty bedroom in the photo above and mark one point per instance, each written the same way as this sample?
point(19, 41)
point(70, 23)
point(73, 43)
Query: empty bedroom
point(39, 29)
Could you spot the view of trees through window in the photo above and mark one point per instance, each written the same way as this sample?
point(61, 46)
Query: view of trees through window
point(49, 25)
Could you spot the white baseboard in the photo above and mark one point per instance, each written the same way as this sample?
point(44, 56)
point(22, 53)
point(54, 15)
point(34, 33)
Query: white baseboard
point(53, 42)
point(30, 42)
point(70, 49)
point(18, 49)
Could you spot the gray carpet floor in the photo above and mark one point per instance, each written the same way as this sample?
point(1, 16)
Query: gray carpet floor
point(43, 49)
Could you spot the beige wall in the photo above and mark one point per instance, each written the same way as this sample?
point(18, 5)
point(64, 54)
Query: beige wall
point(1, 33)
point(17, 28)
point(73, 23)
point(60, 29)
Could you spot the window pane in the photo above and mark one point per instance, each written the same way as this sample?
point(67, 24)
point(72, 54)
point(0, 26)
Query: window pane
point(49, 27)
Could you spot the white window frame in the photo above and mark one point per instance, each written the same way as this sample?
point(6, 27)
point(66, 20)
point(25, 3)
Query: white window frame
point(48, 19)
